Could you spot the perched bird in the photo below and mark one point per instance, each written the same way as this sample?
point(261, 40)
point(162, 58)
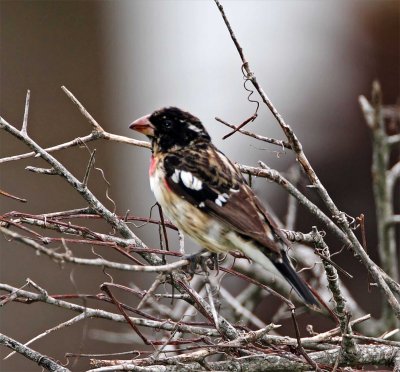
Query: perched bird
point(206, 196)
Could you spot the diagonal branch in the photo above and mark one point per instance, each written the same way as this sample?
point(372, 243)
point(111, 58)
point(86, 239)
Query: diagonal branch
point(178, 279)
point(31, 354)
point(340, 217)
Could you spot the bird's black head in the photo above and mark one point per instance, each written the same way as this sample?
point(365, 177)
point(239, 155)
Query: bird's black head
point(171, 127)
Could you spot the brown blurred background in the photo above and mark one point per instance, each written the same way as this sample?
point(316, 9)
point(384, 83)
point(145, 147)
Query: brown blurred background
point(123, 59)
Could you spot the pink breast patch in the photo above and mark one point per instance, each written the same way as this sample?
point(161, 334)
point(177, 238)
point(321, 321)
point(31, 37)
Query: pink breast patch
point(153, 165)
point(166, 184)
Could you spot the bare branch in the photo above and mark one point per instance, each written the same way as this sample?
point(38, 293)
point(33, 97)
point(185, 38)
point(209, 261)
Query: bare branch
point(274, 141)
point(79, 141)
point(295, 144)
point(96, 126)
point(26, 113)
point(102, 314)
point(93, 202)
point(47, 171)
point(349, 346)
point(275, 176)
point(89, 167)
point(378, 355)
point(8, 195)
point(33, 355)
point(383, 181)
point(240, 309)
point(68, 323)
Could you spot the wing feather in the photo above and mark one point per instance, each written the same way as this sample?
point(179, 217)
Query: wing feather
point(218, 188)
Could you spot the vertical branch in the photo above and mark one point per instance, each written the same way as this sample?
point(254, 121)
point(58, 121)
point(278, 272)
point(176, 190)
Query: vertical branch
point(383, 191)
point(349, 346)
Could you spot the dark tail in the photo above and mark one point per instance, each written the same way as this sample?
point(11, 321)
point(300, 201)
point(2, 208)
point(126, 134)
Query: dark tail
point(286, 269)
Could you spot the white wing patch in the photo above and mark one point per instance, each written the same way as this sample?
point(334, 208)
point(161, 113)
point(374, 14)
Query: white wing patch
point(190, 181)
point(175, 176)
point(222, 199)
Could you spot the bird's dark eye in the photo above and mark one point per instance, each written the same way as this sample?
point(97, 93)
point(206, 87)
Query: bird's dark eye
point(168, 124)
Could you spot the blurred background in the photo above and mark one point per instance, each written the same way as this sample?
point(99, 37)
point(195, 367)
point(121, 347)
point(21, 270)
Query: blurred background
point(123, 59)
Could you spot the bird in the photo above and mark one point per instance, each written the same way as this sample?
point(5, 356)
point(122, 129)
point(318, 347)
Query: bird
point(207, 198)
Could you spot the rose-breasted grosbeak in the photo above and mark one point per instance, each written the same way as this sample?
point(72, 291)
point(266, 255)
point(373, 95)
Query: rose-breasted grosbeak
point(204, 194)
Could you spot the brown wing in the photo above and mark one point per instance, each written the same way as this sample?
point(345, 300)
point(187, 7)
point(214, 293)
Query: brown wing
point(241, 214)
point(215, 186)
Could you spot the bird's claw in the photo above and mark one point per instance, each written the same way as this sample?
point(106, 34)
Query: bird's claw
point(194, 260)
point(209, 261)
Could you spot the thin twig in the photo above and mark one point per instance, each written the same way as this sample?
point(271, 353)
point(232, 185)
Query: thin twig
point(160, 278)
point(373, 339)
point(24, 129)
point(300, 347)
point(240, 309)
point(256, 136)
point(96, 126)
point(168, 325)
point(89, 167)
point(8, 195)
point(66, 257)
point(68, 323)
point(240, 126)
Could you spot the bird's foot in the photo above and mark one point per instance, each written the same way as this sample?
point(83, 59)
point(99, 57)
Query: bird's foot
point(203, 260)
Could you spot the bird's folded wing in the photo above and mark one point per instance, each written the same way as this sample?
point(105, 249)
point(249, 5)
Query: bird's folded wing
point(217, 188)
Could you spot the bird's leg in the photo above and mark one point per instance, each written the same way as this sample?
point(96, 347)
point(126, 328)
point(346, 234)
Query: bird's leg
point(210, 262)
point(194, 260)
point(214, 262)
point(200, 259)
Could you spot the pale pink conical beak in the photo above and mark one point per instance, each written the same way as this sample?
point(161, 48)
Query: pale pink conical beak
point(143, 125)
